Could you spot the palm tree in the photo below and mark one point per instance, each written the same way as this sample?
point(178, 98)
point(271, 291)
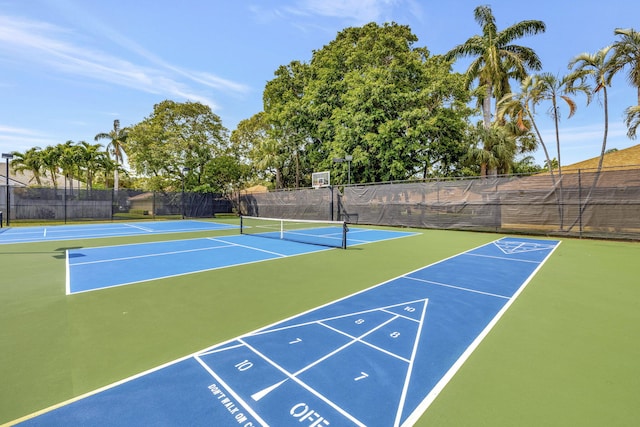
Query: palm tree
point(626, 53)
point(595, 66)
point(632, 120)
point(51, 162)
point(31, 161)
point(520, 107)
point(91, 160)
point(69, 160)
point(549, 87)
point(498, 148)
point(117, 142)
point(497, 60)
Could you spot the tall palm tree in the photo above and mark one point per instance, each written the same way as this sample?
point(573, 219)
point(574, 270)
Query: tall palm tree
point(549, 87)
point(595, 66)
point(626, 54)
point(496, 59)
point(520, 107)
point(31, 161)
point(117, 142)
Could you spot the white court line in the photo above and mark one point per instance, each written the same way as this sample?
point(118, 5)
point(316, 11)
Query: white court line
point(375, 347)
point(456, 287)
point(231, 391)
point(435, 391)
point(327, 319)
point(140, 228)
point(407, 379)
point(150, 255)
point(503, 257)
point(247, 247)
point(301, 383)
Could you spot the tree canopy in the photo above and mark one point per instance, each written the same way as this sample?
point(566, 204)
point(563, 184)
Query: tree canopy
point(178, 141)
point(397, 110)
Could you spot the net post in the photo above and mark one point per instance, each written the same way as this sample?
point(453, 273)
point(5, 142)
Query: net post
point(281, 230)
point(241, 227)
point(344, 235)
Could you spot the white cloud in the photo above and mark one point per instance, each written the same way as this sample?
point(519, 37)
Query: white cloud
point(357, 11)
point(21, 139)
point(55, 48)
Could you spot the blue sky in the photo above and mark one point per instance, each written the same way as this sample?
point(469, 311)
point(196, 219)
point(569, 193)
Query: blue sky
point(68, 68)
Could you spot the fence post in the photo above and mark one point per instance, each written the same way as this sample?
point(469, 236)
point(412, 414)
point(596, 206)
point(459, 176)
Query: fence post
point(331, 203)
point(580, 202)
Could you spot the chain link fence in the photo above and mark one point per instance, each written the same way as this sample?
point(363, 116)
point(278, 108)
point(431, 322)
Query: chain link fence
point(580, 204)
point(28, 204)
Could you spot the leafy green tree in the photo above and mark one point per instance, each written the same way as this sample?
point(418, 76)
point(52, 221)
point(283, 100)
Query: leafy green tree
point(526, 165)
point(372, 95)
point(496, 59)
point(246, 141)
point(117, 146)
point(288, 125)
point(174, 138)
point(496, 148)
point(626, 54)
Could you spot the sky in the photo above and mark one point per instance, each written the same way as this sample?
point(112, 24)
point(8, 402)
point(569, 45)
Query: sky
point(68, 68)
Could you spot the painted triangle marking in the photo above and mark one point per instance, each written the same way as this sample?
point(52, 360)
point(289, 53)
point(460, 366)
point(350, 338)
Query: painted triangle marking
point(515, 247)
point(409, 311)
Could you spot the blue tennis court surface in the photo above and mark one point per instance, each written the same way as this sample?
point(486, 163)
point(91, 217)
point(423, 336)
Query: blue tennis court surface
point(104, 267)
point(375, 358)
point(114, 229)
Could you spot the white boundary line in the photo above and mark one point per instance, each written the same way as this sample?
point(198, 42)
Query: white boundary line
point(67, 279)
point(407, 379)
point(435, 391)
point(221, 226)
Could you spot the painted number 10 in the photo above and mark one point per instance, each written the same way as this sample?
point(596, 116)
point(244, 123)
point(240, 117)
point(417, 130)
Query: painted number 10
point(244, 365)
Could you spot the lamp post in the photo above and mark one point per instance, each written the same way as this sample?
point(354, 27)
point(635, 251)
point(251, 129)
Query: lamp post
point(7, 157)
point(184, 171)
point(347, 159)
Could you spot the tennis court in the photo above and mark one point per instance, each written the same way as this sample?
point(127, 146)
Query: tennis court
point(90, 269)
point(116, 229)
point(433, 328)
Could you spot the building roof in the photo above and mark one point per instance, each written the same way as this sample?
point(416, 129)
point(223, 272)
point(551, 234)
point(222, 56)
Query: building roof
point(628, 158)
point(26, 179)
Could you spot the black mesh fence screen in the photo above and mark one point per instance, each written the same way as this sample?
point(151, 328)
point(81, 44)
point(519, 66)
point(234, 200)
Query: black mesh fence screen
point(585, 204)
point(43, 204)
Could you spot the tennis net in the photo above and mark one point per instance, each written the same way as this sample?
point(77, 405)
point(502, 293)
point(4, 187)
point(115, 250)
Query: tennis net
point(325, 233)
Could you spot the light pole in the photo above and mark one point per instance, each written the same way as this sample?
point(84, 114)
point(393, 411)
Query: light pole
point(7, 157)
point(347, 159)
point(184, 171)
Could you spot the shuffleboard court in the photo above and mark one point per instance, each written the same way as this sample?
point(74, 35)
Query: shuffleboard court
point(376, 358)
point(90, 269)
point(115, 229)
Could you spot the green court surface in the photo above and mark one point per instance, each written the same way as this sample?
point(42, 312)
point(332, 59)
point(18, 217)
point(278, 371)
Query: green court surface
point(565, 353)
